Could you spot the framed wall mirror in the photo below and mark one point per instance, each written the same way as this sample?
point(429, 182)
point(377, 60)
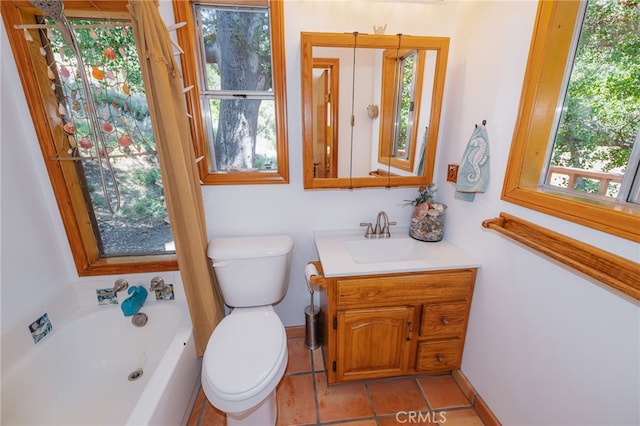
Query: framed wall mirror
point(371, 108)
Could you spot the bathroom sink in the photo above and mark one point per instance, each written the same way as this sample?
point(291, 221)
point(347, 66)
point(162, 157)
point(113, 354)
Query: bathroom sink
point(349, 253)
point(385, 250)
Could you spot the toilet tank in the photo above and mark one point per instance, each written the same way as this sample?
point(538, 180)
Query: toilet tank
point(252, 271)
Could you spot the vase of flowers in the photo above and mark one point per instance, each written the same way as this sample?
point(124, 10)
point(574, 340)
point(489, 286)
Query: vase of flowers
point(427, 218)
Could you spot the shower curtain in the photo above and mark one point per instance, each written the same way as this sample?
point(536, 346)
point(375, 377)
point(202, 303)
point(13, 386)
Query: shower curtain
point(180, 179)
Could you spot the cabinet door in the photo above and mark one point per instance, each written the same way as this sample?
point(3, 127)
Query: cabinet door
point(373, 342)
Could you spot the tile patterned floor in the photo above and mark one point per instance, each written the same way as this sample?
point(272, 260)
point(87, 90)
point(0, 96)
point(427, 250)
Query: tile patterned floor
point(304, 398)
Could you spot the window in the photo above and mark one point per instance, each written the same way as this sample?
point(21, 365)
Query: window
point(401, 85)
point(90, 113)
point(581, 163)
point(234, 59)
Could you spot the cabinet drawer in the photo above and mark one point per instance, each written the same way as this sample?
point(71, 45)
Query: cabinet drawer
point(439, 356)
point(431, 287)
point(442, 320)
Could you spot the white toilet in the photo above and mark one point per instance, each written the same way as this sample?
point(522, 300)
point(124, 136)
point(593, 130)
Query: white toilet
point(246, 355)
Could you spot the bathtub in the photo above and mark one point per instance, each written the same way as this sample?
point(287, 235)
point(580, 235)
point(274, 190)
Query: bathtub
point(80, 373)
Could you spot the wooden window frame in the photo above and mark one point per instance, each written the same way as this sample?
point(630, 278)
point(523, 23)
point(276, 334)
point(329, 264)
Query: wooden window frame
point(48, 127)
point(388, 106)
point(550, 46)
point(188, 40)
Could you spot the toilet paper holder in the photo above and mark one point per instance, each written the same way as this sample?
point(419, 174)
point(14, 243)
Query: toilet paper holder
point(313, 278)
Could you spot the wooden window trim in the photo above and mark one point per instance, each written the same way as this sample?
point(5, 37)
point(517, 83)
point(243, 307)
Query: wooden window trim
point(187, 38)
point(551, 41)
point(48, 127)
point(387, 105)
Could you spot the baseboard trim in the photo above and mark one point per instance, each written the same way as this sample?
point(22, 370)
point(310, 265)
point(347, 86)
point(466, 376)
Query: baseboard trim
point(481, 407)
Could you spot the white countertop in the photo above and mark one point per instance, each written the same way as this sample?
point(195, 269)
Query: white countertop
point(338, 261)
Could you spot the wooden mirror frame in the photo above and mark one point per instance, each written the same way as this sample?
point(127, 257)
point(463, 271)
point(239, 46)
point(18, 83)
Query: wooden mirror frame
point(346, 40)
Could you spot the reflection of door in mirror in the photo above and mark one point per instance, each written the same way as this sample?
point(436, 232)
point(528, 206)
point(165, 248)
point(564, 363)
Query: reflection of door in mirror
point(325, 117)
point(403, 73)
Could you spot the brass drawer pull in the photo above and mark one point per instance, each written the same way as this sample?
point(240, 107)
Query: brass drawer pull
point(439, 358)
point(444, 321)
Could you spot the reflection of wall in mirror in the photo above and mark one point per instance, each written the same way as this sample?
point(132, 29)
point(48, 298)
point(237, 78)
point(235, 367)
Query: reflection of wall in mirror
point(367, 91)
point(319, 122)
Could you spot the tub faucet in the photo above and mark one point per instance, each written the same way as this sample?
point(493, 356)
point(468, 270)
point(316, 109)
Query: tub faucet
point(157, 283)
point(120, 285)
point(382, 231)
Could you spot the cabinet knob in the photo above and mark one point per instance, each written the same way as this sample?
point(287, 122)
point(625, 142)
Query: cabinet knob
point(410, 324)
point(445, 321)
point(439, 358)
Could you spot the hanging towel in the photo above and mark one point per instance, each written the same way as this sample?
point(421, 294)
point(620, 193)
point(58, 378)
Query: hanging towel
point(473, 174)
point(423, 147)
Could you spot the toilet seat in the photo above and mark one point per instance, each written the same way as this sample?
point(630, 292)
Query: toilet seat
point(245, 358)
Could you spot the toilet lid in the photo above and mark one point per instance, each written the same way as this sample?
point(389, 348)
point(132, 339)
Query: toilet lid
point(243, 349)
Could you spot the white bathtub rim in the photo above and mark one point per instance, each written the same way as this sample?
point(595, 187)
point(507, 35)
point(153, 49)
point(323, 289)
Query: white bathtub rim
point(144, 407)
point(151, 397)
point(16, 363)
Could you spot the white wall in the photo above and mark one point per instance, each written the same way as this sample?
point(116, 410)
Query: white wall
point(289, 208)
point(545, 345)
point(34, 255)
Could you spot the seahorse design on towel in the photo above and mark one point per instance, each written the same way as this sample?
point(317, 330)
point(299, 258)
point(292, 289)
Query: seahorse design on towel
point(477, 157)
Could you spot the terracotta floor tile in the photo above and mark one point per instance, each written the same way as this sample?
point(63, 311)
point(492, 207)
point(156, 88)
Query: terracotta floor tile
point(197, 408)
point(367, 403)
point(442, 392)
point(465, 417)
point(296, 400)
point(392, 396)
point(318, 360)
point(425, 418)
point(211, 416)
point(342, 402)
point(366, 422)
point(299, 356)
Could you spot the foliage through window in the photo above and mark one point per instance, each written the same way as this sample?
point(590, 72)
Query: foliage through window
point(239, 78)
point(90, 113)
point(599, 122)
point(108, 128)
point(405, 105)
point(403, 72)
point(575, 150)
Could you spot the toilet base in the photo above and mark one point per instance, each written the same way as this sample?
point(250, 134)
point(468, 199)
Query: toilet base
point(263, 414)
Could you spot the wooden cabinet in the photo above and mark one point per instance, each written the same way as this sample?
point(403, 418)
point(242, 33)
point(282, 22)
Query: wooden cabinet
point(373, 342)
point(394, 324)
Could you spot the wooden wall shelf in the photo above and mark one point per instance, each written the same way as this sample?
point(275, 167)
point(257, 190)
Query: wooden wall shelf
point(615, 271)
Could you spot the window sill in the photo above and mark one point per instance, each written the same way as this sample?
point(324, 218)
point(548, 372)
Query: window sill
point(614, 271)
point(130, 265)
point(622, 220)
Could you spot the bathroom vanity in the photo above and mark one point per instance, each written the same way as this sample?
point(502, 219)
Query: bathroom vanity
point(400, 313)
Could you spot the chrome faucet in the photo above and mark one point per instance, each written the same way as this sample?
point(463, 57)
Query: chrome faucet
point(380, 230)
point(157, 283)
point(120, 285)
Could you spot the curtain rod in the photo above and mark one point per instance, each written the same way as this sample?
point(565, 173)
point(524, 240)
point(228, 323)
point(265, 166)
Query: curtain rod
point(52, 26)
